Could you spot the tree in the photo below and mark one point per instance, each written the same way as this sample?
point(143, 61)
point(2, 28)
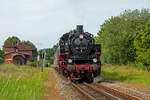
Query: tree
point(117, 36)
point(1, 53)
point(12, 39)
point(49, 53)
point(142, 44)
point(29, 43)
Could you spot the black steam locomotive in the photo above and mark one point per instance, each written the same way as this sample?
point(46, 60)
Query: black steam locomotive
point(77, 56)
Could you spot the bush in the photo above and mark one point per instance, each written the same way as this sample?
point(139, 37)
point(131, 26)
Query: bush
point(126, 74)
point(32, 64)
point(38, 63)
point(1, 61)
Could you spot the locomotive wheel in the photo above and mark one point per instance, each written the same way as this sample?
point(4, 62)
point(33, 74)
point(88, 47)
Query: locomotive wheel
point(20, 60)
point(90, 79)
point(65, 73)
point(62, 71)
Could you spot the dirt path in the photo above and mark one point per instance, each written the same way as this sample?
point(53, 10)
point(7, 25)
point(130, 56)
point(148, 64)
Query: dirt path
point(51, 93)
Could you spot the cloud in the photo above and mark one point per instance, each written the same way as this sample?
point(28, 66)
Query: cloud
point(44, 21)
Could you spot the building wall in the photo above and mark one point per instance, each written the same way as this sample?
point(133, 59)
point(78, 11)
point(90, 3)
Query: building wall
point(6, 50)
point(10, 51)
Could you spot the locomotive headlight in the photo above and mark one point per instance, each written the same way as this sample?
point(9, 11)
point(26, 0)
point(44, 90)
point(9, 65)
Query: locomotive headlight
point(94, 60)
point(69, 60)
point(81, 36)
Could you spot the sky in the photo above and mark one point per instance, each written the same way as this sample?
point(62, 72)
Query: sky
point(43, 22)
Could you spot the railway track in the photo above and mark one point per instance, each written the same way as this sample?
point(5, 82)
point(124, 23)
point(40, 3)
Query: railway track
point(97, 91)
point(115, 92)
point(92, 93)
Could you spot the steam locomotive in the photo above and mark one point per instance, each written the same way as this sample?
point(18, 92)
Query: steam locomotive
point(78, 57)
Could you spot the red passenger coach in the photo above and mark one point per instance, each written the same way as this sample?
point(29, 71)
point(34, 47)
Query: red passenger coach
point(77, 56)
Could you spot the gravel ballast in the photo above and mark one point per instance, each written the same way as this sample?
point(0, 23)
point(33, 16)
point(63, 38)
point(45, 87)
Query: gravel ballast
point(129, 91)
point(65, 89)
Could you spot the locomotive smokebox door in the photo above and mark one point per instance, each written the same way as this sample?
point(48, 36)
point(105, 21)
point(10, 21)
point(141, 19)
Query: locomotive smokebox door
point(79, 29)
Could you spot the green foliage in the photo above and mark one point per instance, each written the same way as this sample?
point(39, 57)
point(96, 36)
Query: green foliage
point(35, 63)
point(29, 43)
point(49, 53)
point(32, 64)
point(142, 44)
point(117, 36)
point(1, 56)
point(126, 74)
point(12, 39)
point(1, 53)
point(39, 63)
point(21, 82)
point(35, 53)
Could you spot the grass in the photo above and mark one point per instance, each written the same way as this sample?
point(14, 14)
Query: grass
point(126, 74)
point(21, 82)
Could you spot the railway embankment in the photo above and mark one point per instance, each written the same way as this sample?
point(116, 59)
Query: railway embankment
point(128, 77)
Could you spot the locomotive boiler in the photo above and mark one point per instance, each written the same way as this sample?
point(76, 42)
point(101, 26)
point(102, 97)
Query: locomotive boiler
point(77, 56)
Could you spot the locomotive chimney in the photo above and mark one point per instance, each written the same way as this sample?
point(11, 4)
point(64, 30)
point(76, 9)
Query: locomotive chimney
point(79, 29)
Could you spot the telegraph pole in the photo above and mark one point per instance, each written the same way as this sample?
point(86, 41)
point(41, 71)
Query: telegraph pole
point(43, 59)
point(38, 60)
point(42, 62)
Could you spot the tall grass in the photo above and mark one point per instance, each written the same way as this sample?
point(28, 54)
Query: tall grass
point(126, 74)
point(21, 82)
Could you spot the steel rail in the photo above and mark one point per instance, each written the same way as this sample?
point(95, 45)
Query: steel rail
point(110, 93)
point(89, 97)
point(117, 92)
point(106, 94)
